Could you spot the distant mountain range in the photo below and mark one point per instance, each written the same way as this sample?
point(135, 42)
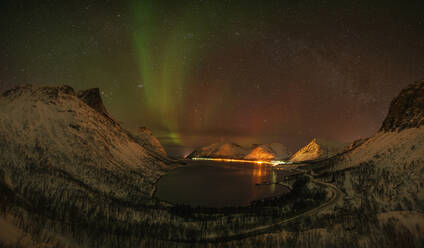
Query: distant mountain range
point(220, 150)
point(227, 149)
point(316, 149)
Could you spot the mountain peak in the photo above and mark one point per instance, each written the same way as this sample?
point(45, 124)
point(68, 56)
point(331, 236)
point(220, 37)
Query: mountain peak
point(93, 99)
point(406, 110)
point(145, 130)
point(316, 149)
point(223, 149)
point(144, 137)
point(268, 152)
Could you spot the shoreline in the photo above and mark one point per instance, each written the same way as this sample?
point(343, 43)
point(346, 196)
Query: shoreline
point(189, 162)
point(172, 167)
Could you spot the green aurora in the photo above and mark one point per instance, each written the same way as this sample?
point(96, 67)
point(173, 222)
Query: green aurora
point(165, 60)
point(168, 52)
point(198, 71)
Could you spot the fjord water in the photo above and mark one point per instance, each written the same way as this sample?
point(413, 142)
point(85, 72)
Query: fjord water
point(219, 184)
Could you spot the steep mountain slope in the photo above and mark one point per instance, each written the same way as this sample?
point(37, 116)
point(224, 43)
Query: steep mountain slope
point(273, 151)
point(406, 110)
point(317, 149)
point(220, 150)
point(51, 128)
point(145, 138)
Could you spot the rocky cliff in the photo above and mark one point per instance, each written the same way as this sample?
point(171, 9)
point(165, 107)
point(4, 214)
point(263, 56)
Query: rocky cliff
point(406, 110)
point(93, 99)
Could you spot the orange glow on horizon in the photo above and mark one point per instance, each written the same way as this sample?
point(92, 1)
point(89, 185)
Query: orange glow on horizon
point(259, 162)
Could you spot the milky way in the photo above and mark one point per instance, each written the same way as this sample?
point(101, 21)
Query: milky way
point(201, 71)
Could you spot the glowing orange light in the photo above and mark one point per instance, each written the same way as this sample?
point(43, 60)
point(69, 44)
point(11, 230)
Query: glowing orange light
point(236, 160)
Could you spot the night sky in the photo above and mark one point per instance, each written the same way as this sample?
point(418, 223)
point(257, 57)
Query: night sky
point(196, 72)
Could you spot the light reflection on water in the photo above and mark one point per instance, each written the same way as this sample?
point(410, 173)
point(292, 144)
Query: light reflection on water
point(219, 184)
point(264, 174)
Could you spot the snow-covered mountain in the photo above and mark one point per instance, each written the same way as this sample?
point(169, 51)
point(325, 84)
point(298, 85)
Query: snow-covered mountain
point(318, 149)
point(220, 150)
point(273, 151)
point(386, 171)
point(64, 160)
point(54, 129)
point(233, 150)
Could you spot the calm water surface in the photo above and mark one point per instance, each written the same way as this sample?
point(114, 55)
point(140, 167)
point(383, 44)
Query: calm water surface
point(217, 184)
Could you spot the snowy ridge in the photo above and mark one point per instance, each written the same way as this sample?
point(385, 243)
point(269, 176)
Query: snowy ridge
point(388, 149)
point(220, 150)
point(317, 149)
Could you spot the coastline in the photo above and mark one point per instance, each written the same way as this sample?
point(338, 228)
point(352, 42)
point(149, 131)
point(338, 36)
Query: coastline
point(172, 167)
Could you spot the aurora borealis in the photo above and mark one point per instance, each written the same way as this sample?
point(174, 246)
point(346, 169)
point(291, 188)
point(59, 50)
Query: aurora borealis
point(199, 71)
point(164, 68)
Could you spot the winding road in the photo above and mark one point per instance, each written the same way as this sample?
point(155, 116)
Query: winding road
point(334, 197)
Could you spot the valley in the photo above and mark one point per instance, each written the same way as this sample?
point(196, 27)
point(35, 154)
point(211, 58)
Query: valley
point(94, 187)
